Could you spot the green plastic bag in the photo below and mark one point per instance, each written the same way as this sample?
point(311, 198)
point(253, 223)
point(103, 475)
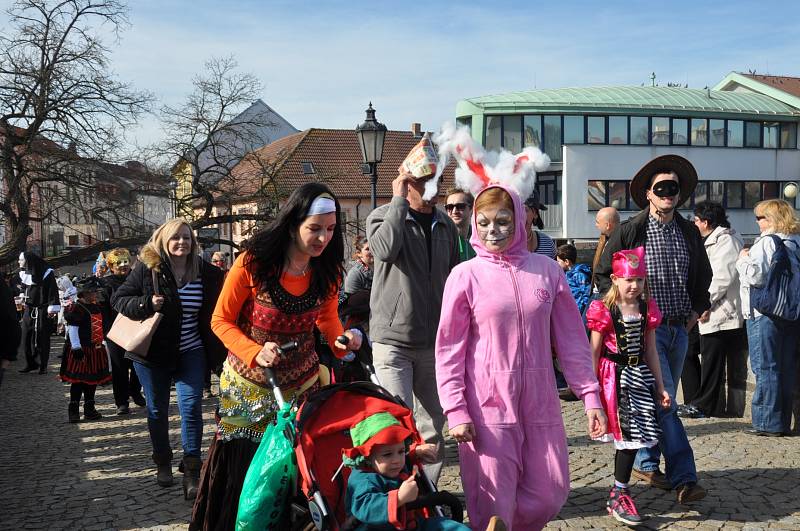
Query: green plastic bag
point(270, 478)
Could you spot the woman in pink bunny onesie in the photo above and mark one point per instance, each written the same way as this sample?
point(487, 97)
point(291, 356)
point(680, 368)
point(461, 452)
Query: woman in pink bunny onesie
point(501, 315)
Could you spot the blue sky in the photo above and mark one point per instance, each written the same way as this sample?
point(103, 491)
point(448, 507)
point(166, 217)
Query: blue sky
point(322, 62)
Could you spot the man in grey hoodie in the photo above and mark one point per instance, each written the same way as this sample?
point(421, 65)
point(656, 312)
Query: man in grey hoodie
point(415, 246)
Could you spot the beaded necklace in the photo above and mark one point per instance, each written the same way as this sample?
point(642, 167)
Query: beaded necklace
point(288, 303)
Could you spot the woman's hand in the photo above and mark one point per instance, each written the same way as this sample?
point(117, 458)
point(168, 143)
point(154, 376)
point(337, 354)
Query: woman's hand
point(598, 423)
point(269, 355)
point(353, 340)
point(463, 433)
point(158, 302)
point(666, 401)
point(427, 453)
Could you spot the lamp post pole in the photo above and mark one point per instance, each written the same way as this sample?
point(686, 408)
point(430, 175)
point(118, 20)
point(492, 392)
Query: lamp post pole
point(373, 173)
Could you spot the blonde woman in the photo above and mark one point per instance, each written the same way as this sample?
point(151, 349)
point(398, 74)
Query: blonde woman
point(772, 343)
point(188, 289)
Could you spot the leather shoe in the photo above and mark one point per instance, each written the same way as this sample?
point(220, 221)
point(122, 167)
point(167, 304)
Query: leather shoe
point(656, 478)
point(759, 433)
point(30, 368)
point(690, 492)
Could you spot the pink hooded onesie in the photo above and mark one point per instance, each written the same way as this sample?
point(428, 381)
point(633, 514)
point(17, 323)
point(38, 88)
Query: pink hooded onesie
point(502, 316)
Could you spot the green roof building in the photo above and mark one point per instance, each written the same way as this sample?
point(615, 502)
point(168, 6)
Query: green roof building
point(741, 136)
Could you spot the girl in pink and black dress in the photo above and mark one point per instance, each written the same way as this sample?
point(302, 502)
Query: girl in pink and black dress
point(626, 362)
point(85, 362)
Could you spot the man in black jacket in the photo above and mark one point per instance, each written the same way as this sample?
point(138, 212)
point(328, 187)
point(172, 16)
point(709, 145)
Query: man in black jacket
point(678, 275)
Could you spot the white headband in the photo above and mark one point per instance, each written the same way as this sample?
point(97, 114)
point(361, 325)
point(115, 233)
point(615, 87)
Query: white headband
point(323, 204)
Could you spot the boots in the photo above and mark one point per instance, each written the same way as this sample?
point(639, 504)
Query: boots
point(73, 413)
point(89, 412)
point(164, 464)
point(190, 466)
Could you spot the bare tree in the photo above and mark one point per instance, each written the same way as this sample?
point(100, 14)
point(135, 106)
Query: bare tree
point(59, 105)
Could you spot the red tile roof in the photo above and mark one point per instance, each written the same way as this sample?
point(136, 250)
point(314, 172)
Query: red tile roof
point(787, 84)
point(336, 158)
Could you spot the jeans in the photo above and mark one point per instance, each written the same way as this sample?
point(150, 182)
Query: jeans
point(772, 356)
point(188, 376)
point(671, 342)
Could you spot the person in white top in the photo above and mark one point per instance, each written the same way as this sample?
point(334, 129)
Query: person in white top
point(772, 343)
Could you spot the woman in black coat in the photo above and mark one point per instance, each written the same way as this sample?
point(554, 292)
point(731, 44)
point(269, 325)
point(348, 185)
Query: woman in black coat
point(38, 283)
point(183, 344)
point(9, 324)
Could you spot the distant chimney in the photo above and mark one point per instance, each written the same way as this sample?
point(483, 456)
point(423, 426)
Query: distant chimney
point(416, 129)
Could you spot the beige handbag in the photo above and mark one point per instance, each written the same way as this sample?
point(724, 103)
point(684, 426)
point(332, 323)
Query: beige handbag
point(132, 335)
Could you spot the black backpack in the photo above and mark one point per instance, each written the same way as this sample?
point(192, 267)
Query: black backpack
point(779, 296)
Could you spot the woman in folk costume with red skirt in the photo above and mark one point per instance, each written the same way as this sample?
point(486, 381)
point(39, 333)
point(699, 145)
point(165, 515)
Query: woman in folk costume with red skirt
point(286, 282)
point(85, 362)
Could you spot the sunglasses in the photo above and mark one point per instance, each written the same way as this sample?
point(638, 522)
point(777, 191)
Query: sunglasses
point(457, 206)
point(759, 218)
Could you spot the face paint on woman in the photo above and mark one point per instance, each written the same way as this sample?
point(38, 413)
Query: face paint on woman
point(495, 228)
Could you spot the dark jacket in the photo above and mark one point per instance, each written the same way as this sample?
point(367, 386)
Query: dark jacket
point(133, 299)
point(110, 284)
point(632, 233)
point(9, 321)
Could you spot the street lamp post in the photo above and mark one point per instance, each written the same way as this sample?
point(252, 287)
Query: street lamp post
point(371, 135)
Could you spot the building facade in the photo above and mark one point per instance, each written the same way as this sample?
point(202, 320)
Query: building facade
point(741, 136)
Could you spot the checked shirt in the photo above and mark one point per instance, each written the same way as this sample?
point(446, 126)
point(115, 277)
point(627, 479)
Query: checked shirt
point(668, 268)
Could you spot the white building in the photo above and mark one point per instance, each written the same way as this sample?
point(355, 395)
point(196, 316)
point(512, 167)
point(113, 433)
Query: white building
point(741, 137)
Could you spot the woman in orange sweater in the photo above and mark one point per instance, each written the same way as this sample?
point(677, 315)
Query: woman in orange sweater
point(285, 282)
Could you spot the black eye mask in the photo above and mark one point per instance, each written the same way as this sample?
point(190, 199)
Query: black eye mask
point(666, 188)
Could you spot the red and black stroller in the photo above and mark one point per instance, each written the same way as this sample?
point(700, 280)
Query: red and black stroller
point(322, 431)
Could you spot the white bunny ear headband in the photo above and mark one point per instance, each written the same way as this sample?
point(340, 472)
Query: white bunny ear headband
point(478, 168)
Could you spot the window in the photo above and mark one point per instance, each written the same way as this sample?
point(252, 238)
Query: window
point(788, 136)
point(618, 130)
point(716, 191)
point(493, 128)
point(680, 131)
point(465, 120)
point(752, 134)
point(308, 168)
point(700, 132)
point(717, 129)
point(640, 130)
point(618, 194)
point(771, 130)
point(596, 198)
point(752, 194)
point(701, 192)
point(532, 130)
point(596, 129)
point(512, 133)
point(660, 131)
point(73, 240)
point(552, 137)
point(735, 133)
point(573, 129)
point(733, 195)
point(769, 190)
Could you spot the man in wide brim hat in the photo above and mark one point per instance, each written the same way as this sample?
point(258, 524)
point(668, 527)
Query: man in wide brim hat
point(687, 178)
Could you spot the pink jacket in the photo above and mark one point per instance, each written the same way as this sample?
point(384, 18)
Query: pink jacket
point(502, 317)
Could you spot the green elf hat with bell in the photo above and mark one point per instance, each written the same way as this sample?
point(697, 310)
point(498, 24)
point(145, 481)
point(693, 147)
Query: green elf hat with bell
point(378, 428)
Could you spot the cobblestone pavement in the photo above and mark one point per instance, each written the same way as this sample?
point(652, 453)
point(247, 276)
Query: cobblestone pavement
point(98, 475)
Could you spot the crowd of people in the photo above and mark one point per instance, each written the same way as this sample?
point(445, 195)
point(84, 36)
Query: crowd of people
point(475, 320)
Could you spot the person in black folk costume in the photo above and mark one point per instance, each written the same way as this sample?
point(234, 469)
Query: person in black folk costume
point(85, 361)
point(41, 305)
point(9, 324)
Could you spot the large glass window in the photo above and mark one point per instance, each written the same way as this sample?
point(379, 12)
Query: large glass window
point(660, 134)
point(552, 137)
point(733, 195)
point(771, 131)
point(493, 129)
point(769, 190)
point(788, 136)
point(752, 193)
point(640, 130)
point(716, 191)
point(735, 133)
point(717, 130)
point(573, 129)
point(699, 132)
point(680, 131)
point(512, 133)
point(532, 130)
point(618, 130)
point(596, 129)
point(596, 198)
point(701, 192)
point(618, 194)
point(752, 134)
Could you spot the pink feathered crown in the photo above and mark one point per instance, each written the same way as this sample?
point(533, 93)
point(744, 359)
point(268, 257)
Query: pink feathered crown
point(629, 263)
point(478, 168)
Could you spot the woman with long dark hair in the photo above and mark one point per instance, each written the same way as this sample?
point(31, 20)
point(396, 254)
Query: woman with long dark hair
point(286, 282)
point(40, 294)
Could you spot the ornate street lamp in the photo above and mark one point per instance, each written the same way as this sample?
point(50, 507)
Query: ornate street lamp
point(371, 135)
